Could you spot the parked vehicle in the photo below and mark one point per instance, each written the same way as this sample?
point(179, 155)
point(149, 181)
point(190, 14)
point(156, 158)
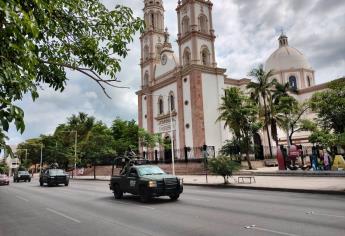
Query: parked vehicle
point(147, 181)
point(4, 180)
point(21, 176)
point(54, 177)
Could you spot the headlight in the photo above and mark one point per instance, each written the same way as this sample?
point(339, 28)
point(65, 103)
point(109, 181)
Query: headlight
point(181, 181)
point(152, 184)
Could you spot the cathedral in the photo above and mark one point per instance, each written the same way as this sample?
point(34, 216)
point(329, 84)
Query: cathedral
point(181, 91)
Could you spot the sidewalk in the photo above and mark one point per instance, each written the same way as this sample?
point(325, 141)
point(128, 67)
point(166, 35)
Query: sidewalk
point(277, 183)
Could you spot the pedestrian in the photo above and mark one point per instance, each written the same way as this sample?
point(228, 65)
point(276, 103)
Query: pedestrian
point(326, 160)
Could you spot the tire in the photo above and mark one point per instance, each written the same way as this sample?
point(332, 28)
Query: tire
point(174, 197)
point(66, 184)
point(118, 194)
point(144, 195)
point(29, 180)
point(41, 183)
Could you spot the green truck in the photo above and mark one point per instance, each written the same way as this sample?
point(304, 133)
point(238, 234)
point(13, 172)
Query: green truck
point(147, 181)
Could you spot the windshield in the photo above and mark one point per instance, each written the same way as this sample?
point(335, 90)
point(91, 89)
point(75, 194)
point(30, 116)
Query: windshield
point(56, 172)
point(23, 172)
point(150, 170)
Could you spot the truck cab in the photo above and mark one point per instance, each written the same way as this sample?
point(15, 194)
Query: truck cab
point(147, 181)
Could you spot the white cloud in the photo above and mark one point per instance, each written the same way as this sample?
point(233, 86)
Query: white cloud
point(247, 33)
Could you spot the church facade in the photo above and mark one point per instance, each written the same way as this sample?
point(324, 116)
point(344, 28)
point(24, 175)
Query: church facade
point(185, 89)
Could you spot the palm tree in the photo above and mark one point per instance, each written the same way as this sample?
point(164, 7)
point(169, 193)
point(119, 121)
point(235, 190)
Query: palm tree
point(239, 114)
point(261, 92)
point(280, 91)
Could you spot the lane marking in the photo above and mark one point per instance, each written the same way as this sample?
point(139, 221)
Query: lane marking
point(63, 215)
point(254, 227)
point(21, 198)
point(322, 214)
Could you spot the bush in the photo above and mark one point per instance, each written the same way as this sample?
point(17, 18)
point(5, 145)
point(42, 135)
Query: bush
point(223, 166)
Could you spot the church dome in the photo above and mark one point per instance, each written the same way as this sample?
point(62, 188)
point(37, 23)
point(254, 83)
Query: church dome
point(286, 58)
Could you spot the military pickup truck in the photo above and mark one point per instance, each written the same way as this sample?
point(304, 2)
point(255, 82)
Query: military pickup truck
point(147, 181)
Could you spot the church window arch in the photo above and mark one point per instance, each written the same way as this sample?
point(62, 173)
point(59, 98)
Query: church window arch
point(172, 101)
point(146, 52)
point(158, 51)
point(205, 56)
point(293, 82)
point(185, 25)
point(308, 81)
point(186, 56)
point(160, 105)
point(146, 79)
point(203, 23)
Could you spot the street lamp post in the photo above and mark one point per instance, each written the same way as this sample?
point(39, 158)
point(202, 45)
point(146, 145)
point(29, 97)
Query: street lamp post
point(171, 131)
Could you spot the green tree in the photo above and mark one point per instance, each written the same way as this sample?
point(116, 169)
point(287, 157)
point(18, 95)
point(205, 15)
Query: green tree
point(40, 39)
point(98, 146)
point(261, 93)
point(223, 166)
point(240, 114)
point(330, 106)
point(33, 147)
point(3, 167)
point(126, 135)
point(149, 140)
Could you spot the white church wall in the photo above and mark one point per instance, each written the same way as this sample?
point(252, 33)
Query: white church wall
point(165, 92)
point(187, 112)
point(169, 66)
point(213, 129)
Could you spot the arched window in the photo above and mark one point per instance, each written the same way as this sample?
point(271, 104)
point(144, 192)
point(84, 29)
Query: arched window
point(293, 82)
point(172, 101)
point(308, 81)
point(203, 23)
point(160, 106)
point(205, 56)
point(146, 79)
point(146, 52)
point(153, 22)
point(158, 51)
point(186, 56)
point(185, 25)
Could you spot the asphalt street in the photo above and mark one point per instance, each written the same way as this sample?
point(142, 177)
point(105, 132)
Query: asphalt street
point(89, 208)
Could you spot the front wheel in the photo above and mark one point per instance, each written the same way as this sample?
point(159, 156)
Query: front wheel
point(144, 196)
point(118, 194)
point(174, 197)
point(66, 184)
point(41, 183)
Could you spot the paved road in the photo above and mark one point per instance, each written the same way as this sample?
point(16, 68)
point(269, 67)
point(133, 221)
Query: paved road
point(88, 208)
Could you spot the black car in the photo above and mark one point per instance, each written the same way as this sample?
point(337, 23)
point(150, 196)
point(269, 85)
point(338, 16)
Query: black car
point(54, 177)
point(147, 181)
point(21, 176)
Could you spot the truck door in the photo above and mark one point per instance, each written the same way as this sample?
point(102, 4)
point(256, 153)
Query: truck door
point(132, 180)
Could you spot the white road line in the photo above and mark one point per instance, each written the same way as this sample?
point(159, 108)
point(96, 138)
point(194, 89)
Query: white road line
point(63, 215)
point(322, 214)
point(21, 198)
point(253, 227)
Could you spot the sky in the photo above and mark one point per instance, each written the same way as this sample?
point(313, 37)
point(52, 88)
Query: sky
point(247, 33)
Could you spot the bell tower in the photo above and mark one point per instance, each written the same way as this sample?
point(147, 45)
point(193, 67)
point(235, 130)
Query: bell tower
point(195, 33)
point(152, 39)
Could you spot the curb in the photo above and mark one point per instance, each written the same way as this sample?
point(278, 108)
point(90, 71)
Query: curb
point(292, 190)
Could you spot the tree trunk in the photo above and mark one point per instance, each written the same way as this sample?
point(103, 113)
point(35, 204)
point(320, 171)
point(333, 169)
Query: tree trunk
point(247, 156)
point(267, 130)
point(94, 171)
